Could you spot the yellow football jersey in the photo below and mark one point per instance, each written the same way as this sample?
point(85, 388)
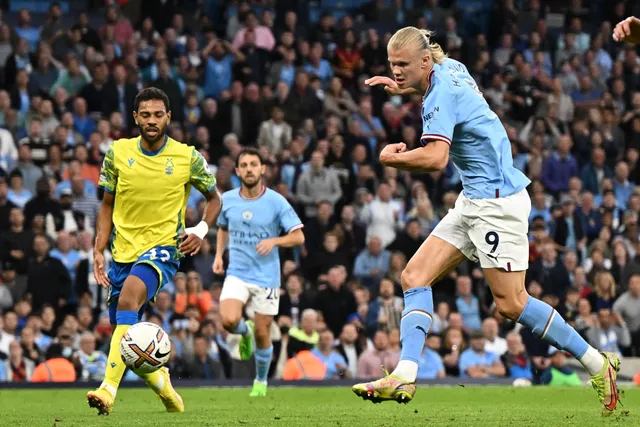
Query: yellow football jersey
point(151, 191)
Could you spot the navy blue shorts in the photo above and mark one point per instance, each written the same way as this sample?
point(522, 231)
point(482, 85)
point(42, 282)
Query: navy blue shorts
point(162, 259)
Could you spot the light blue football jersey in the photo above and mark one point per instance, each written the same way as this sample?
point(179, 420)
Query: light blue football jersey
point(454, 111)
point(249, 221)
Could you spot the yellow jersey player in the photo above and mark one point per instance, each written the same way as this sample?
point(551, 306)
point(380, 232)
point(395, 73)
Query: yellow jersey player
point(146, 183)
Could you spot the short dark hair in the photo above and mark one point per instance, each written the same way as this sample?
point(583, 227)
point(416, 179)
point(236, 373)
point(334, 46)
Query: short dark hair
point(149, 94)
point(249, 151)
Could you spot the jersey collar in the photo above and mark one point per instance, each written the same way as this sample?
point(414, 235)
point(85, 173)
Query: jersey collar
point(152, 153)
point(264, 190)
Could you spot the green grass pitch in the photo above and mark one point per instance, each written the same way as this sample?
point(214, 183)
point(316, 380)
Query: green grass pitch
point(491, 406)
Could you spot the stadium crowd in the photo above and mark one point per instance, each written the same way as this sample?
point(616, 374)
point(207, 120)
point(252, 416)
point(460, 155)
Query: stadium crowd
point(290, 81)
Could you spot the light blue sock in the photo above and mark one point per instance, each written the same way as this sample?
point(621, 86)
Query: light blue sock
point(546, 323)
point(126, 317)
point(241, 328)
point(263, 358)
point(415, 322)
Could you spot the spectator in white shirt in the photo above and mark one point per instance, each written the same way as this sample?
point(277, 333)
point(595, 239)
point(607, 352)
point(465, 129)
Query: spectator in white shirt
point(381, 216)
point(493, 342)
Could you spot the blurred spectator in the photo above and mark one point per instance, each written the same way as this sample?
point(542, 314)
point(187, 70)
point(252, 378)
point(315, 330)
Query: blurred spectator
point(350, 347)
point(194, 296)
point(493, 342)
point(381, 216)
point(559, 167)
point(559, 373)
point(92, 362)
point(515, 359)
point(203, 366)
point(6, 338)
point(317, 184)
point(467, 304)
point(385, 311)
point(372, 359)
point(476, 362)
point(336, 365)
point(48, 281)
point(336, 302)
point(304, 337)
point(629, 308)
point(17, 368)
point(610, 332)
point(430, 365)
point(372, 263)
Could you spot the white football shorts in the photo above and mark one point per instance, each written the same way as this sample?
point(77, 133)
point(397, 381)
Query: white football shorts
point(263, 300)
point(492, 231)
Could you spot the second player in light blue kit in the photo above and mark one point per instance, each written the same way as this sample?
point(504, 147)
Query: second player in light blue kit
point(489, 222)
point(254, 222)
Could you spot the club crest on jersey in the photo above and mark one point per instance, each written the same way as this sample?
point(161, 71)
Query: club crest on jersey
point(168, 166)
point(131, 162)
point(247, 215)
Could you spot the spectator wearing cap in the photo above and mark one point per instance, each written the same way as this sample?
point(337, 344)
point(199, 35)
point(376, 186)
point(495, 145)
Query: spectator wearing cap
point(476, 362)
point(559, 167)
point(430, 365)
point(594, 172)
point(5, 205)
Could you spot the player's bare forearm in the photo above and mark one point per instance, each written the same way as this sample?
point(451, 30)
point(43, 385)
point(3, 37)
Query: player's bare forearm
point(294, 238)
point(221, 242)
point(213, 207)
point(104, 223)
point(431, 158)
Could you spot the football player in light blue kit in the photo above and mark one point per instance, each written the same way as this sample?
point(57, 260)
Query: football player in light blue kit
point(253, 223)
point(489, 222)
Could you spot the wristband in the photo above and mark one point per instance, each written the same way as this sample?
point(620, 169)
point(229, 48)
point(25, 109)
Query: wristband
point(199, 230)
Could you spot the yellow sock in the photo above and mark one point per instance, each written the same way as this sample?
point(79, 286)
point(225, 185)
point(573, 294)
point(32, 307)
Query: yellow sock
point(154, 380)
point(115, 365)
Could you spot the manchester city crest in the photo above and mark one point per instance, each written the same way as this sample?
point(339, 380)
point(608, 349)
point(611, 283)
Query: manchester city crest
point(247, 215)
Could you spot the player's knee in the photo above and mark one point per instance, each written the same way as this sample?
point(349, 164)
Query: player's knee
point(510, 307)
point(229, 321)
point(129, 304)
point(410, 279)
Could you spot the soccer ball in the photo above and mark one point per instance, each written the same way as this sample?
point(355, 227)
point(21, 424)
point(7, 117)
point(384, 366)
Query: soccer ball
point(145, 348)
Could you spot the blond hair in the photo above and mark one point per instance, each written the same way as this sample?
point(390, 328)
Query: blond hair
point(421, 38)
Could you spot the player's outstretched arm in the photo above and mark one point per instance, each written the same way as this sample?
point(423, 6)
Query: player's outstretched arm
point(193, 236)
point(431, 158)
point(390, 86)
point(628, 30)
point(104, 227)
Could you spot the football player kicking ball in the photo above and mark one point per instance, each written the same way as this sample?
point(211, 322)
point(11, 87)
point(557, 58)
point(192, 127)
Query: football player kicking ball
point(489, 222)
point(255, 221)
point(150, 177)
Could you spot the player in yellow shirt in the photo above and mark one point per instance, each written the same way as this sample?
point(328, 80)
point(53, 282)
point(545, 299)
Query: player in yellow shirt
point(146, 183)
